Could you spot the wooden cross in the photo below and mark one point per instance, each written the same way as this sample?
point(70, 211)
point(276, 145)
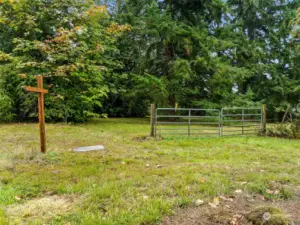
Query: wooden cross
point(41, 93)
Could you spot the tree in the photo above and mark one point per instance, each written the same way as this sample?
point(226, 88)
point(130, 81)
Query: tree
point(71, 43)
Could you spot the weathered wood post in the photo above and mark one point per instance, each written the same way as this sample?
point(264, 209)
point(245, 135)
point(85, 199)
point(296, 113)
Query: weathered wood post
point(264, 118)
point(152, 112)
point(41, 114)
point(41, 92)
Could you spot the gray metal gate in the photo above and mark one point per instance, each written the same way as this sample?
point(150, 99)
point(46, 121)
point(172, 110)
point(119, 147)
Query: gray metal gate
point(190, 122)
point(207, 122)
point(241, 121)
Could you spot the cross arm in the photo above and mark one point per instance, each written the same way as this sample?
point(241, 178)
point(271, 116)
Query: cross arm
point(34, 89)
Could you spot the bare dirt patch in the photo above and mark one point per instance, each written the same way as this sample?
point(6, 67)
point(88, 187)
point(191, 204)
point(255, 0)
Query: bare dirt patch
point(141, 138)
point(232, 212)
point(43, 208)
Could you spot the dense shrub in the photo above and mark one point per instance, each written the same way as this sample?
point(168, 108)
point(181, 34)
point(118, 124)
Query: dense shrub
point(290, 126)
point(71, 43)
point(5, 108)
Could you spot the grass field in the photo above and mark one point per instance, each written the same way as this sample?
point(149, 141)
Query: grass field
point(136, 180)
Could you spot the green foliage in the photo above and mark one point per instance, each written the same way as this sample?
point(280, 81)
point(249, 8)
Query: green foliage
point(3, 219)
point(213, 53)
point(71, 43)
point(132, 94)
point(4, 58)
point(186, 53)
point(296, 28)
point(5, 108)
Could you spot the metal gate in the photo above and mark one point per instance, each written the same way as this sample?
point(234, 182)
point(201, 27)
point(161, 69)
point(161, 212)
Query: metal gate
point(207, 122)
point(241, 121)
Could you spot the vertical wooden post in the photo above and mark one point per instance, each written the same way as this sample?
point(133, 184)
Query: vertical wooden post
point(41, 114)
point(264, 118)
point(152, 134)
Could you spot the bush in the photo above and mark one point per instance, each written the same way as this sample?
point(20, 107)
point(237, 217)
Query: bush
point(285, 130)
point(5, 108)
point(290, 126)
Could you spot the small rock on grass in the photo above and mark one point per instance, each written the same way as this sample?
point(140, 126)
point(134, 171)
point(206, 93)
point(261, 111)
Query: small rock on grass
point(271, 192)
point(18, 198)
point(199, 202)
point(226, 199)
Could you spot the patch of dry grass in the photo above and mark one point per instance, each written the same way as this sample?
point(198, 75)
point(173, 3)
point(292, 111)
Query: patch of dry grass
point(41, 209)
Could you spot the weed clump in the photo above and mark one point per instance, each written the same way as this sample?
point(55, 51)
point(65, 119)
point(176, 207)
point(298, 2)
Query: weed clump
point(268, 216)
point(3, 219)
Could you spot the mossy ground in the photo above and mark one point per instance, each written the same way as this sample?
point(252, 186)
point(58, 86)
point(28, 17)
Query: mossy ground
point(136, 180)
point(268, 216)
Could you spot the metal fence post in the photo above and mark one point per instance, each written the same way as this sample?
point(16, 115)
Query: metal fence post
point(243, 121)
point(220, 123)
point(189, 128)
point(152, 134)
point(221, 120)
point(264, 118)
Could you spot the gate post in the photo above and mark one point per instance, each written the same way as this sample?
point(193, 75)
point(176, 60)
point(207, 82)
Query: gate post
point(189, 128)
point(264, 118)
point(152, 120)
point(243, 121)
point(219, 124)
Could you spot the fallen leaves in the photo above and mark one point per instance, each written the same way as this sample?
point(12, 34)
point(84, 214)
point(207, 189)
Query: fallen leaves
point(238, 191)
point(215, 203)
point(18, 198)
point(237, 219)
point(202, 180)
point(272, 192)
point(228, 199)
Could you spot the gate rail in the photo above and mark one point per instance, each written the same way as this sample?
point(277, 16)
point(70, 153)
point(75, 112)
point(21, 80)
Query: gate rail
point(207, 122)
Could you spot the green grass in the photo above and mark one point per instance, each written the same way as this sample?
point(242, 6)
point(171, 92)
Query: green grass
point(137, 182)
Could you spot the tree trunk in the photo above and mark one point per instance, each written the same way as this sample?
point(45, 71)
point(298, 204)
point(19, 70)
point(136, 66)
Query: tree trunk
point(172, 100)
